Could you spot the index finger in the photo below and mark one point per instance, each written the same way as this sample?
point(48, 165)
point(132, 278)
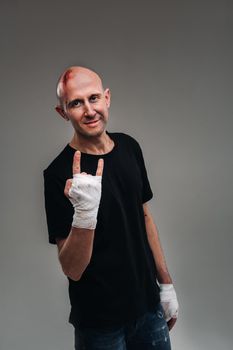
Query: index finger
point(76, 163)
point(100, 167)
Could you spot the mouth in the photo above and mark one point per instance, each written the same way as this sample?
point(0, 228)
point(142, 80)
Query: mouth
point(92, 123)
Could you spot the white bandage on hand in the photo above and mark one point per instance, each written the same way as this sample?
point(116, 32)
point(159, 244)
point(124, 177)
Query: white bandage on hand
point(85, 194)
point(169, 301)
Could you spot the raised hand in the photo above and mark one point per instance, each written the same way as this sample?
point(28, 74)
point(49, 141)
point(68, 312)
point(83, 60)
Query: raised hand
point(84, 192)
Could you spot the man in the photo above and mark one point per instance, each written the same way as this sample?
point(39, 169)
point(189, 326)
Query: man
point(96, 194)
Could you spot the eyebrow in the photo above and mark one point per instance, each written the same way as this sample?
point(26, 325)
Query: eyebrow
point(70, 103)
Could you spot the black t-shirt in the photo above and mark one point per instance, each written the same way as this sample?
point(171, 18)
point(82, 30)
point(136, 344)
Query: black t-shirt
point(119, 284)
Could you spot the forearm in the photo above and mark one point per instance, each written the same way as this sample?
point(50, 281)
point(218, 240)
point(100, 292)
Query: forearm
point(76, 252)
point(156, 248)
point(168, 296)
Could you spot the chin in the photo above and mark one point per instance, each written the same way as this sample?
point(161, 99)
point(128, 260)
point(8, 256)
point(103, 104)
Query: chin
point(91, 133)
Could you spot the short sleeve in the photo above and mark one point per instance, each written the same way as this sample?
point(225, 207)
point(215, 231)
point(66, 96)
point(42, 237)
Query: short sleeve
point(58, 209)
point(147, 193)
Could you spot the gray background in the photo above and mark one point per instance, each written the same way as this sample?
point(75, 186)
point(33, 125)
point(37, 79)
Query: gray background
point(169, 67)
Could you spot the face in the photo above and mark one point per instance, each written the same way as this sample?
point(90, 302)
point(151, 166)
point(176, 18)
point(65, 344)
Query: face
point(86, 104)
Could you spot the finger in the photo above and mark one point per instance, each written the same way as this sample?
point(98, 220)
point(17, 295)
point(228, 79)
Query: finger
point(76, 163)
point(84, 173)
point(67, 187)
point(100, 167)
point(171, 323)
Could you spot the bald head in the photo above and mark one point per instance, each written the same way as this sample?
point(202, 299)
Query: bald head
point(78, 77)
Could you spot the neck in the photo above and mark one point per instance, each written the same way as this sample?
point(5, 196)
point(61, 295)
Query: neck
point(93, 145)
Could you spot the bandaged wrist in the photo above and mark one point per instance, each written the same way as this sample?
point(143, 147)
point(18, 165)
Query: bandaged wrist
point(85, 194)
point(169, 301)
point(166, 287)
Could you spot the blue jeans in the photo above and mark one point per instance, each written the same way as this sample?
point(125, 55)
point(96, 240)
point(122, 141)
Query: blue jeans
point(147, 332)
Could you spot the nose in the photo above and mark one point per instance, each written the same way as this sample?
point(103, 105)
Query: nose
point(89, 110)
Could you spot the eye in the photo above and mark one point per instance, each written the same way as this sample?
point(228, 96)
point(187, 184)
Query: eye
point(93, 98)
point(76, 103)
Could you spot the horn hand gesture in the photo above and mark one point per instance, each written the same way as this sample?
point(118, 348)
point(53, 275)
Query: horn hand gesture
point(84, 192)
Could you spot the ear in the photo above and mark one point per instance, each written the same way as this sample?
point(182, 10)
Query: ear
point(61, 111)
point(107, 95)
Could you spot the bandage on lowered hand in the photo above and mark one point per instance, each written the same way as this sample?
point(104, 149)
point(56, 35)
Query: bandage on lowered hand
point(85, 194)
point(169, 301)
